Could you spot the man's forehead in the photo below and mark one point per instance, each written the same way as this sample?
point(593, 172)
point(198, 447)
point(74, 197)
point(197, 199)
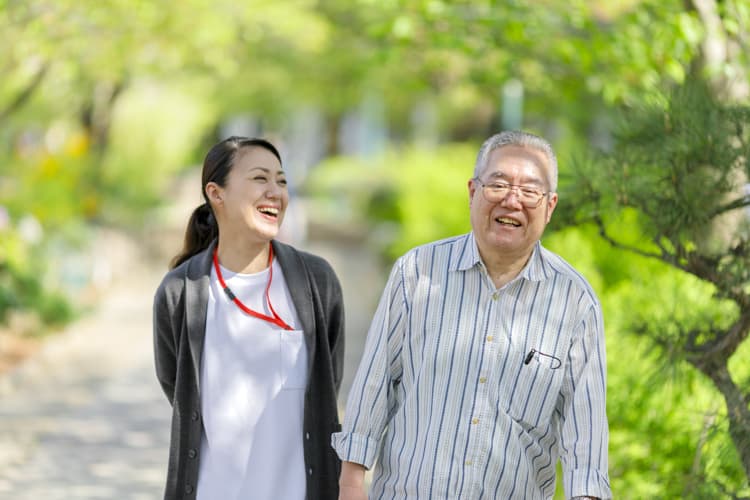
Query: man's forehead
point(517, 156)
point(516, 152)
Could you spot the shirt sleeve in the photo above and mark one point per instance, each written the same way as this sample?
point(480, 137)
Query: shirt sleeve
point(371, 397)
point(584, 427)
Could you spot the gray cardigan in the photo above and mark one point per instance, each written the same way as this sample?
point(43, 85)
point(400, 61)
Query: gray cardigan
point(180, 306)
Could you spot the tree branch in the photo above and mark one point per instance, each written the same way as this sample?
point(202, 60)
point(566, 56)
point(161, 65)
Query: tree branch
point(742, 201)
point(721, 347)
point(603, 233)
point(25, 94)
point(714, 45)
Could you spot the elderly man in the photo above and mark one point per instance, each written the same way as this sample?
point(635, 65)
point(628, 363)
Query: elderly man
point(485, 360)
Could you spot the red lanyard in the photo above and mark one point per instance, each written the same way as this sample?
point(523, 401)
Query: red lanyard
point(275, 319)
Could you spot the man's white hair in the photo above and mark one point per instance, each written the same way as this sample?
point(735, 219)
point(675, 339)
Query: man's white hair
point(523, 139)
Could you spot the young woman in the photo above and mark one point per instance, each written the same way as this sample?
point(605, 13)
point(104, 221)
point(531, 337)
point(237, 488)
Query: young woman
point(249, 343)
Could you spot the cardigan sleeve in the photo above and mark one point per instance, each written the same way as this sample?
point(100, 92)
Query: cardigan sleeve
point(165, 350)
point(333, 298)
point(336, 331)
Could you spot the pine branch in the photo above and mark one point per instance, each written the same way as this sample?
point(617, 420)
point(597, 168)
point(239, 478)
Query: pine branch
point(603, 233)
point(721, 347)
point(742, 201)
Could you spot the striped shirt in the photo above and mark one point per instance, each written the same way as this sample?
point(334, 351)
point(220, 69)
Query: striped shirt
point(451, 400)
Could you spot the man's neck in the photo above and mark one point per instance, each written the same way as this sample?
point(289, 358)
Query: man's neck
point(502, 269)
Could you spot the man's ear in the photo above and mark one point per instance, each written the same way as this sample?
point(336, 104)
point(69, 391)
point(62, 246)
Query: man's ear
point(472, 189)
point(551, 204)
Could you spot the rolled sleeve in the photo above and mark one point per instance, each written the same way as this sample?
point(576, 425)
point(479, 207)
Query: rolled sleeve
point(355, 448)
point(589, 483)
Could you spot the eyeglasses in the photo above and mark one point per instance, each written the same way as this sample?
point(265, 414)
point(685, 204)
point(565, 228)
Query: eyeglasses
point(496, 192)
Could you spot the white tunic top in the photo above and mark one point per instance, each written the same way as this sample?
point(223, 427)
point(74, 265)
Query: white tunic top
point(253, 378)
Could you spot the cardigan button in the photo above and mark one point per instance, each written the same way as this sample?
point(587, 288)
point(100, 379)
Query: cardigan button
point(309, 471)
point(307, 436)
point(192, 453)
point(188, 489)
point(195, 415)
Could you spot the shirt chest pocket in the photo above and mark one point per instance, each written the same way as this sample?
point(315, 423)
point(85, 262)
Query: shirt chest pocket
point(293, 359)
point(534, 394)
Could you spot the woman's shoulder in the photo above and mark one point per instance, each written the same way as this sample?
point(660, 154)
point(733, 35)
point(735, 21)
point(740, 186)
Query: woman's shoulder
point(174, 280)
point(316, 264)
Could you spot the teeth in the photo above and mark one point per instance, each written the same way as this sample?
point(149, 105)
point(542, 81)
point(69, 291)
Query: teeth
point(268, 210)
point(505, 220)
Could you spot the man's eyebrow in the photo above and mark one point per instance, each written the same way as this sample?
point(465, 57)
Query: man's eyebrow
point(527, 180)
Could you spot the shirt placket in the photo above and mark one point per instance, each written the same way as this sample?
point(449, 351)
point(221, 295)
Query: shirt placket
point(481, 420)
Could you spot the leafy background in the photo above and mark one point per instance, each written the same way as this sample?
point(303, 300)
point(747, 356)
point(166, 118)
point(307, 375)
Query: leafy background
point(102, 104)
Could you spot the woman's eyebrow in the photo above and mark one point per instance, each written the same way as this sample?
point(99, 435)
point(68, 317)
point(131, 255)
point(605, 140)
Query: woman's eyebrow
point(267, 170)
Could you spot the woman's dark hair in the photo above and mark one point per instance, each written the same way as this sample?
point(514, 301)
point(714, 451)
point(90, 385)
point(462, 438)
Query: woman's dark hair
point(202, 228)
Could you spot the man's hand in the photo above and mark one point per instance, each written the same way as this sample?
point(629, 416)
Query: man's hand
point(352, 493)
point(352, 482)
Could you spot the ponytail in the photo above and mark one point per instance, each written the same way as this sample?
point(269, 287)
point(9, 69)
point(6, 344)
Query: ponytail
point(201, 230)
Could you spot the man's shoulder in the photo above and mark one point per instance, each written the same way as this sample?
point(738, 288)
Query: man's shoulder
point(444, 245)
point(555, 263)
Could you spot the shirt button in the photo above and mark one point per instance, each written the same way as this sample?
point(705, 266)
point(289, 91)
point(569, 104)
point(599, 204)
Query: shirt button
point(482, 380)
point(474, 421)
point(192, 453)
point(468, 462)
point(495, 296)
point(490, 338)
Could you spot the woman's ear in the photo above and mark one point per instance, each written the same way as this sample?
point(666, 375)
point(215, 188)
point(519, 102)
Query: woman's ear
point(214, 193)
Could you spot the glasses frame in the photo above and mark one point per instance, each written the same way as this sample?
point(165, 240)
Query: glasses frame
point(510, 189)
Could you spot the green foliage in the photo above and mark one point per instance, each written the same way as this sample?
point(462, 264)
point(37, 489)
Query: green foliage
point(411, 196)
point(667, 423)
point(157, 130)
point(22, 282)
point(671, 152)
point(671, 188)
point(102, 101)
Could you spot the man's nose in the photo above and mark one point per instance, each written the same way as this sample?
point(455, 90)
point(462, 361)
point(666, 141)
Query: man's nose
point(512, 198)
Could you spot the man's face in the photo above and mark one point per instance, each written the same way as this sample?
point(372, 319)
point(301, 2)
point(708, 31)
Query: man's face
point(507, 228)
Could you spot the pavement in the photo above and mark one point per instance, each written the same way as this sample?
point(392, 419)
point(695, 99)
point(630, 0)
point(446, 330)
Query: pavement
point(84, 417)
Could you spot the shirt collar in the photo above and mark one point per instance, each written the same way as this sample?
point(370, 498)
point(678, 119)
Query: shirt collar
point(534, 270)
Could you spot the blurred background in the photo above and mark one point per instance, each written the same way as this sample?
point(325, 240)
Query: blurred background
point(379, 107)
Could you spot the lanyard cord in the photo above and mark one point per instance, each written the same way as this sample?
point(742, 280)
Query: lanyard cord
point(275, 319)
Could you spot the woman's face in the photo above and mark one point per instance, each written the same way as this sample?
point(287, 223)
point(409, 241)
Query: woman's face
point(255, 196)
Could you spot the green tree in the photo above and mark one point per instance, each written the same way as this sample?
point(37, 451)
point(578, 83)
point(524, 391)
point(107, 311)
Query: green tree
point(681, 165)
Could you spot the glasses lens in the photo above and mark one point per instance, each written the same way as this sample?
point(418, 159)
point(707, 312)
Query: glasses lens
point(528, 197)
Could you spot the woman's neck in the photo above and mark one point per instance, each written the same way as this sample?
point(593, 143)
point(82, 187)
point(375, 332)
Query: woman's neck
point(244, 257)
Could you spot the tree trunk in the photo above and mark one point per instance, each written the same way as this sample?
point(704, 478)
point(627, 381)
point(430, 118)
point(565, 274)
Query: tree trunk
point(737, 409)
